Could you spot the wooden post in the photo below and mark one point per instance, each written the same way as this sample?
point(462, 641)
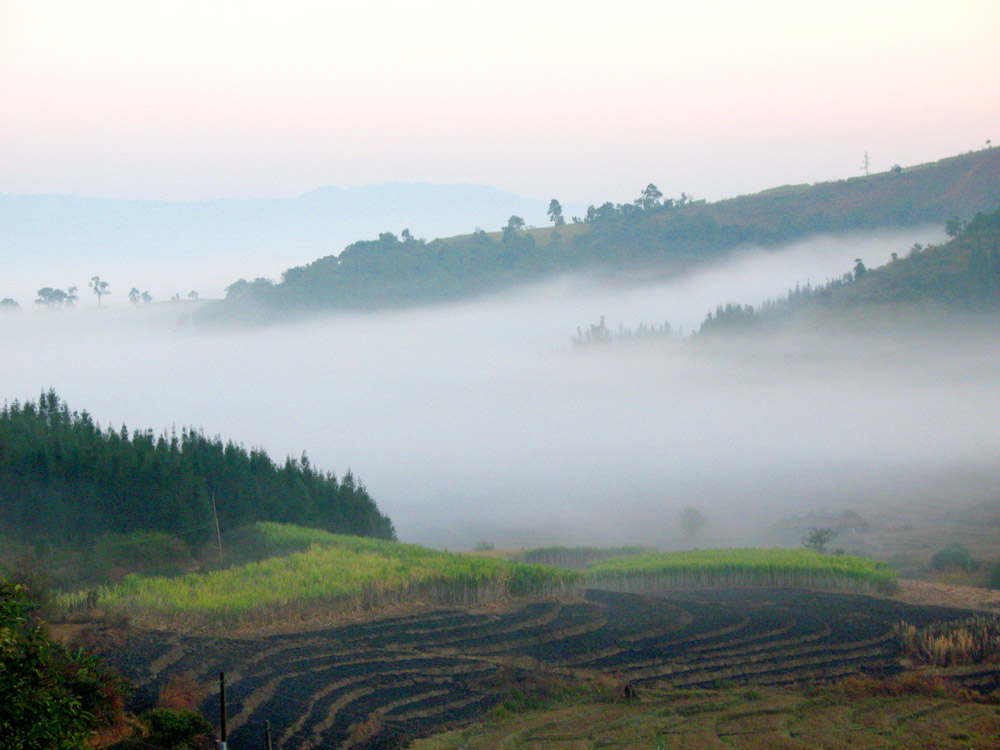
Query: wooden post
point(267, 736)
point(223, 734)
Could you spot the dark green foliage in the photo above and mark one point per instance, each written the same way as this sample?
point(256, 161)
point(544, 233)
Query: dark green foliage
point(63, 478)
point(993, 582)
point(142, 552)
point(817, 539)
point(49, 697)
point(953, 556)
point(176, 729)
point(729, 319)
point(650, 232)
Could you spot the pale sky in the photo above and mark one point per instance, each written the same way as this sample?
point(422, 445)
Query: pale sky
point(583, 101)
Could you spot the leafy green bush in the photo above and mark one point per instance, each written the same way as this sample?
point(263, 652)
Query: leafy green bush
point(49, 697)
point(953, 556)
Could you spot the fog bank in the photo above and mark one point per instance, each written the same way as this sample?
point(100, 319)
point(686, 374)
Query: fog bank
point(479, 422)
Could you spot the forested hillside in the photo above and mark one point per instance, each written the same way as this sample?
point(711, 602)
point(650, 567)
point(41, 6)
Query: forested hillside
point(650, 233)
point(961, 276)
point(63, 478)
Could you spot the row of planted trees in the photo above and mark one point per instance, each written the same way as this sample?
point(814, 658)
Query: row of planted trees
point(64, 478)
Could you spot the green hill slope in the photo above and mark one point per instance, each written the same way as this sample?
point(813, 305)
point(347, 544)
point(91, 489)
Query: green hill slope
point(63, 478)
point(648, 234)
point(959, 277)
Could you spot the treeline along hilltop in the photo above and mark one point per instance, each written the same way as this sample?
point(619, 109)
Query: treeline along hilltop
point(960, 277)
point(652, 233)
point(64, 478)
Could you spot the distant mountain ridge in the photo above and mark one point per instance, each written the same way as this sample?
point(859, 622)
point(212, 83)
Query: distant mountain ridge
point(653, 233)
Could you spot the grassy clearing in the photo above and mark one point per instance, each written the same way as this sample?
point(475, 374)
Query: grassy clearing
point(737, 568)
point(324, 576)
point(336, 575)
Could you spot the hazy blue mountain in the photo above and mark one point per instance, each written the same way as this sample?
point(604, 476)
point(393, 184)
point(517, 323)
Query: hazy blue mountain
point(167, 248)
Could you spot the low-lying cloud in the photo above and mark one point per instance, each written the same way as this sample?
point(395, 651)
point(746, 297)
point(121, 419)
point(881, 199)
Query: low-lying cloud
point(478, 421)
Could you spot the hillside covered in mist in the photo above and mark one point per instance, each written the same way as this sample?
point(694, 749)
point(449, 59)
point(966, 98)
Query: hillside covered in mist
point(652, 235)
point(959, 277)
point(174, 247)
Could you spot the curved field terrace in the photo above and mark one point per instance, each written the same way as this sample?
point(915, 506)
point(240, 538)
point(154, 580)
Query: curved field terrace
point(383, 683)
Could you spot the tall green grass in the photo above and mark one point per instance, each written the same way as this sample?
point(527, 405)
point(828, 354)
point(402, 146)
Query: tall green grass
point(576, 558)
point(740, 568)
point(334, 577)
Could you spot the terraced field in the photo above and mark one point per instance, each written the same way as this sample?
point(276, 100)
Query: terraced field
point(740, 719)
point(412, 676)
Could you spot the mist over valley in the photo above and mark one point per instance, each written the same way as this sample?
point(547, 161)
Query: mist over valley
point(398, 376)
point(479, 421)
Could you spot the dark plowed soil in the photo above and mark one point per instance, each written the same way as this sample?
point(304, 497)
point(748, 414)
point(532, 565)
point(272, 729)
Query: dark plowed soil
point(411, 676)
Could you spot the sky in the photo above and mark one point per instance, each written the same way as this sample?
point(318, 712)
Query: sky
point(582, 101)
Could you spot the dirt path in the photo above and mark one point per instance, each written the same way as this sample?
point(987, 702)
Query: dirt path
point(923, 593)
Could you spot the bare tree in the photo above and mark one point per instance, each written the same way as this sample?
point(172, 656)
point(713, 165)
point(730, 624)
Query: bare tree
point(865, 163)
point(100, 288)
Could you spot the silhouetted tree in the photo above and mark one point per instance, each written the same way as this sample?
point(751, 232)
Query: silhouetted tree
point(650, 198)
point(817, 538)
point(954, 227)
point(134, 296)
point(100, 288)
point(556, 213)
point(50, 297)
point(514, 225)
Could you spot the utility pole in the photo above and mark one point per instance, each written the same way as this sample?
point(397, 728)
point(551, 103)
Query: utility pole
point(223, 734)
point(267, 736)
point(218, 532)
